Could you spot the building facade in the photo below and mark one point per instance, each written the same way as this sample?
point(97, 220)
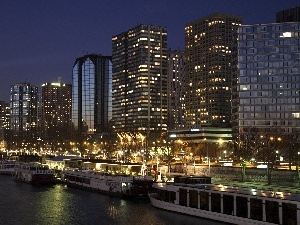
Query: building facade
point(23, 114)
point(91, 94)
point(4, 123)
point(211, 64)
point(269, 77)
point(176, 90)
point(56, 112)
point(288, 15)
point(139, 58)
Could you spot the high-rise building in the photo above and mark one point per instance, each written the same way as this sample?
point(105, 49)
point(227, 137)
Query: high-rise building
point(269, 77)
point(4, 123)
point(211, 64)
point(56, 111)
point(288, 15)
point(139, 58)
point(24, 112)
point(176, 90)
point(91, 94)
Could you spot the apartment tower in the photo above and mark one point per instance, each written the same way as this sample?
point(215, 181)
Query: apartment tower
point(269, 77)
point(139, 58)
point(4, 123)
point(24, 113)
point(176, 90)
point(211, 64)
point(56, 111)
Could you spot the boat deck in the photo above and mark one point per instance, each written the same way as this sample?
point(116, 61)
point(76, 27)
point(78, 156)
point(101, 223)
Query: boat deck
point(287, 193)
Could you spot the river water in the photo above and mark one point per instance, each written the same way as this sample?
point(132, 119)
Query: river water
point(25, 204)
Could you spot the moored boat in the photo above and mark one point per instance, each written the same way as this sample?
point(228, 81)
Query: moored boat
point(196, 196)
point(35, 173)
point(8, 166)
point(118, 185)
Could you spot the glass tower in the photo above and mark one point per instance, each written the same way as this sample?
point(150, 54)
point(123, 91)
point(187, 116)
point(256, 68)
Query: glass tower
point(139, 58)
point(211, 64)
point(269, 77)
point(91, 94)
point(288, 15)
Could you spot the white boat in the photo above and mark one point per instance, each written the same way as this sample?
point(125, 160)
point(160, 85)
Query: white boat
point(119, 185)
point(196, 196)
point(8, 166)
point(35, 173)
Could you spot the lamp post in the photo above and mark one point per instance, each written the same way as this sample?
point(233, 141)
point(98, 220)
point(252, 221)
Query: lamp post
point(297, 168)
point(208, 159)
point(193, 157)
point(143, 168)
point(168, 157)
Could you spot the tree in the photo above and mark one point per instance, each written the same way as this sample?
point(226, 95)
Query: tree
point(168, 148)
point(268, 145)
point(290, 150)
point(198, 149)
point(244, 150)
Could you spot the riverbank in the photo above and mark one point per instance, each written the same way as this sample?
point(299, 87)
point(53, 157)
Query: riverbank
point(280, 177)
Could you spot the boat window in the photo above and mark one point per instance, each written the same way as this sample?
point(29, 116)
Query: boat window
point(272, 212)
point(256, 209)
point(193, 198)
point(182, 197)
point(204, 200)
point(228, 204)
point(289, 213)
point(241, 206)
point(216, 202)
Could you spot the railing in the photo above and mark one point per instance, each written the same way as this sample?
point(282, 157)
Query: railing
point(42, 172)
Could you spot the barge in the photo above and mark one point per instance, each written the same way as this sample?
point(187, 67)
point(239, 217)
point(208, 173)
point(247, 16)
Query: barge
point(117, 185)
point(34, 173)
point(8, 166)
point(196, 196)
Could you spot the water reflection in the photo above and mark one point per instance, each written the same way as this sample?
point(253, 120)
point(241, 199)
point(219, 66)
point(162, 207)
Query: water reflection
point(59, 205)
point(112, 210)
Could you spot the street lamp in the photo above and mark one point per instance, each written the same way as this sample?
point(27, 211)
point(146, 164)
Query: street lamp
point(143, 168)
point(193, 157)
point(208, 159)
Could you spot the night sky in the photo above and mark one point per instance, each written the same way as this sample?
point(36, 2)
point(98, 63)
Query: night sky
point(40, 39)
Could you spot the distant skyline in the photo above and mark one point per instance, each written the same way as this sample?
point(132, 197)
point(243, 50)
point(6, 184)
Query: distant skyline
point(40, 40)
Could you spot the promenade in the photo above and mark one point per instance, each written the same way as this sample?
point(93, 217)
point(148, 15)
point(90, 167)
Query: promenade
point(258, 185)
point(261, 185)
point(280, 179)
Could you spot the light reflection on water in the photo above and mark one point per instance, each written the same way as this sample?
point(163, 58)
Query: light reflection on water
point(25, 204)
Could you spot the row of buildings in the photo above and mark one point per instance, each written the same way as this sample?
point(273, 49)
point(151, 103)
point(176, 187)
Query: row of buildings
point(230, 77)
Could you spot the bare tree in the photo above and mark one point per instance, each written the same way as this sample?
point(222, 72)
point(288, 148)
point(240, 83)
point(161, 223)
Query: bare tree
point(244, 149)
point(290, 149)
point(198, 149)
point(268, 145)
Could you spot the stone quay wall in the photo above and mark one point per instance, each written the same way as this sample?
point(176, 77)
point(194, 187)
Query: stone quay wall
point(280, 176)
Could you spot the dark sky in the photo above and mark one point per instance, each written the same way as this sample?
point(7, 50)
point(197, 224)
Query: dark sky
point(40, 39)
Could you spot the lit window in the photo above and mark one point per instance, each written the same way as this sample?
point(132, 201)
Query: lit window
point(286, 34)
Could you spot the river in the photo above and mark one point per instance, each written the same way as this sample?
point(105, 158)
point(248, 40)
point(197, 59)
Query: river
point(25, 204)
